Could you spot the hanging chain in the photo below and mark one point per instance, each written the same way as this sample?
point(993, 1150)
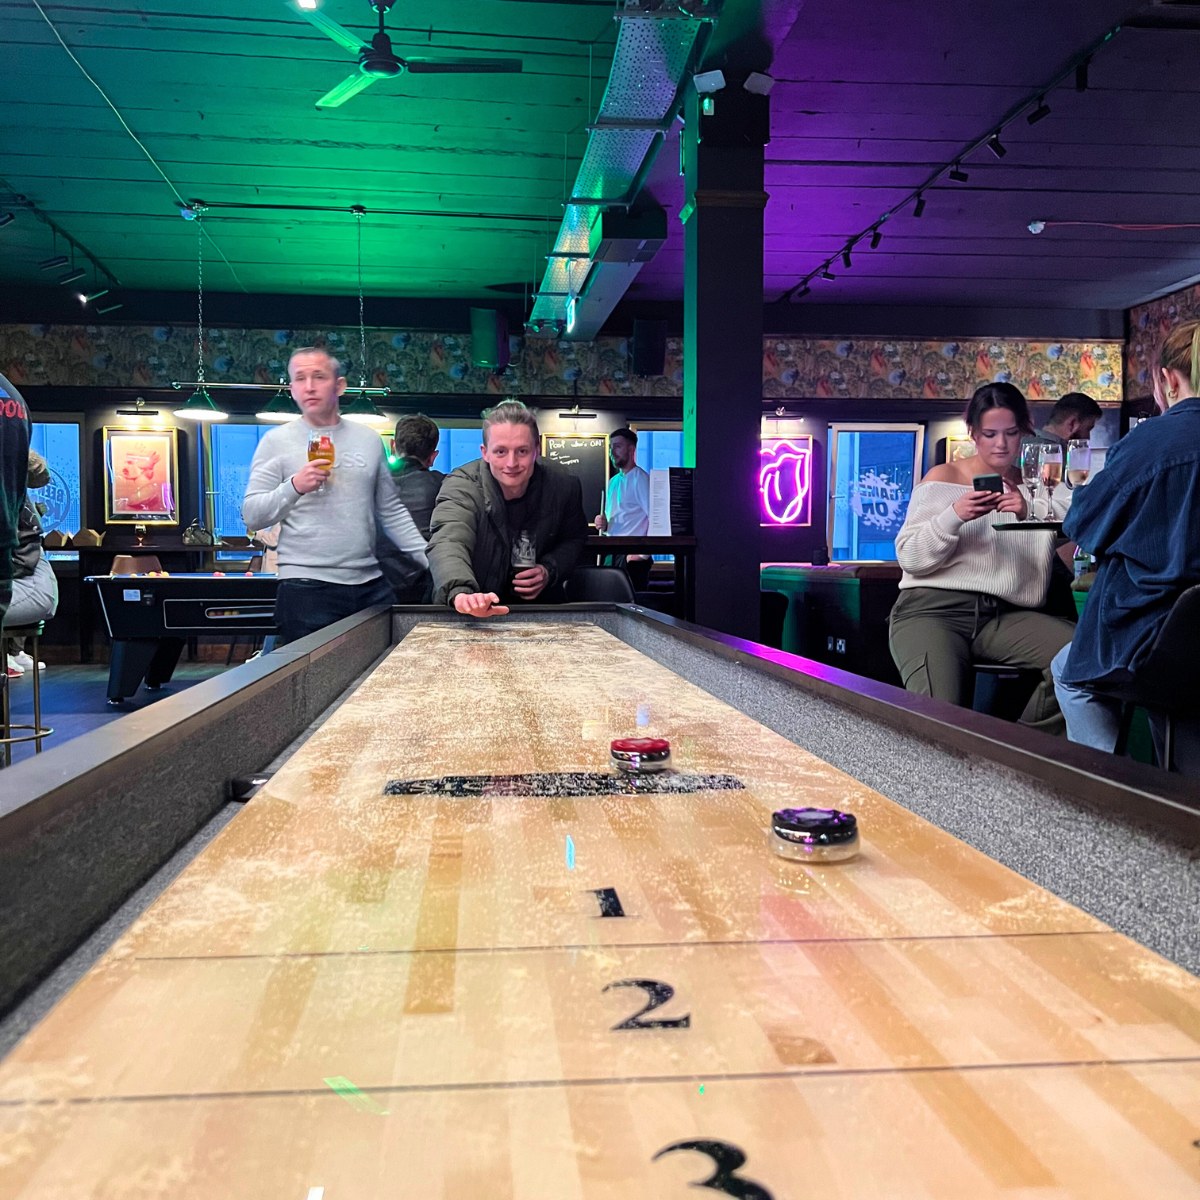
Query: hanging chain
point(359, 213)
point(199, 298)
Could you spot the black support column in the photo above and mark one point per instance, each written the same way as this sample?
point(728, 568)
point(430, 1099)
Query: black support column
point(723, 331)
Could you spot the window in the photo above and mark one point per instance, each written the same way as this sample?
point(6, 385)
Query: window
point(58, 443)
point(872, 471)
point(457, 446)
point(659, 448)
point(233, 447)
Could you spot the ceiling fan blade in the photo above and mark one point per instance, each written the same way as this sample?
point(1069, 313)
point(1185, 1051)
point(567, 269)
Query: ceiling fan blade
point(329, 28)
point(462, 66)
point(350, 86)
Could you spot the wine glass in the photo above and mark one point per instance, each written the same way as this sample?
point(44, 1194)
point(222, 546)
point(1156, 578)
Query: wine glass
point(1050, 457)
point(1031, 469)
point(1079, 461)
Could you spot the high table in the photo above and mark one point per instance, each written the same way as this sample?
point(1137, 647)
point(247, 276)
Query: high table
point(445, 953)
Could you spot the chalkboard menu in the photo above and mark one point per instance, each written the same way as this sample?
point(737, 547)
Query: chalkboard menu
point(587, 459)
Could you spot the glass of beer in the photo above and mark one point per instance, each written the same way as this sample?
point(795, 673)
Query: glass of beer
point(1050, 458)
point(320, 448)
point(1079, 461)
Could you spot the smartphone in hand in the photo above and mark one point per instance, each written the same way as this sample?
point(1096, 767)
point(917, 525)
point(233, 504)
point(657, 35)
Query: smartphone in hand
point(988, 483)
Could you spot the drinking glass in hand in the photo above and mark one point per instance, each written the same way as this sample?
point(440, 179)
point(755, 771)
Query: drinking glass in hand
point(1031, 469)
point(1050, 457)
point(1079, 461)
point(320, 448)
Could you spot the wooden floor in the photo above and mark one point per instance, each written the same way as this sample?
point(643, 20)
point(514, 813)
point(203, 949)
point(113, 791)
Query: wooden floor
point(418, 995)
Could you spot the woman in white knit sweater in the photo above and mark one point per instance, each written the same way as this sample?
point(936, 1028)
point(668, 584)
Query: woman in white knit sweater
point(969, 594)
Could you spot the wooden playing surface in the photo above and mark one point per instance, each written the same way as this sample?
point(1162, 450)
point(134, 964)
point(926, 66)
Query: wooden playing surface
point(418, 995)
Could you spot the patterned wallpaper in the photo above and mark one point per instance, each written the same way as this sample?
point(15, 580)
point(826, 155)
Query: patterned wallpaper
point(426, 363)
point(1148, 325)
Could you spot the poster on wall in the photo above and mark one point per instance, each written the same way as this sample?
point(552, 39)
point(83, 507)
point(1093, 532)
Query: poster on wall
point(872, 472)
point(141, 477)
point(785, 481)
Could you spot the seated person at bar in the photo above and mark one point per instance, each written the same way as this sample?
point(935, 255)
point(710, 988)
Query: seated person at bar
point(417, 485)
point(1141, 517)
point(326, 507)
point(34, 587)
point(967, 593)
point(14, 467)
point(1073, 416)
point(506, 528)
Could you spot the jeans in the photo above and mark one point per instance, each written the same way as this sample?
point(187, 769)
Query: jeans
point(303, 606)
point(1094, 721)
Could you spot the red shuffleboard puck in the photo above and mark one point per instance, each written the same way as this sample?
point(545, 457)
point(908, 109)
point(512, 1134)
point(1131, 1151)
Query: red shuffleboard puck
point(640, 754)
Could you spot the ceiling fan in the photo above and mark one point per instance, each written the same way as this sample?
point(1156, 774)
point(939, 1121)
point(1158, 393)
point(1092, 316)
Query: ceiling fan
point(377, 59)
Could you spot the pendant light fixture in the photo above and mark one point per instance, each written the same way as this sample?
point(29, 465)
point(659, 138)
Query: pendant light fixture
point(280, 409)
point(362, 408)
point(200, 406)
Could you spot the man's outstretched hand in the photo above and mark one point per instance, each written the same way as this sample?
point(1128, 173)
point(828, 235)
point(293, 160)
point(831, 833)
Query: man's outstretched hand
point(479, 604)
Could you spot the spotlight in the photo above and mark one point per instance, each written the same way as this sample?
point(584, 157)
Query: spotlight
point(759, 83)
point(846, 257)
point(1037, 227)
point(6, 218)
point(919, 207)
point(709, 81)
point(958, 174)
point(876, 237)
point(996, 146)
point(1081, 75)
point(309, 5)
point(92, 296)
point(109, 308)
point(803, 292)
point(1040, 113)
point(59, 260)
point(826, 273)
point(72, 276)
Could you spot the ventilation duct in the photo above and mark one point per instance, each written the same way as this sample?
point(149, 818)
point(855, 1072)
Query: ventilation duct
point(603, 240)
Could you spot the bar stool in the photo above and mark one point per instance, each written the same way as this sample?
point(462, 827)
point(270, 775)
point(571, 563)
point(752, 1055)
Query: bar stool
point(1003, 691)
point(37, 731)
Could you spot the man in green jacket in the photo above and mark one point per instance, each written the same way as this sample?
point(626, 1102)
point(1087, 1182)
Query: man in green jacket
point(506, 528)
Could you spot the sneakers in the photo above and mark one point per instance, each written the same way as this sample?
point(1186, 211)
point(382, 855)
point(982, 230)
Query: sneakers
point(15, 670)
point(25, 661)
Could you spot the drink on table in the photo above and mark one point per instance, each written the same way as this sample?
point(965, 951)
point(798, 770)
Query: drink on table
point(1079, 461)
point(1030, 471)
point(1050, 459)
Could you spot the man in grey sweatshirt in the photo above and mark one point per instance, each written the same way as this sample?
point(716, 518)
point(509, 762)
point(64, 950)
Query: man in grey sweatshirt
point(326, 509)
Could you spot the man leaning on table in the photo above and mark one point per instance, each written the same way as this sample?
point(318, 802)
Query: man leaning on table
point(1141, 517)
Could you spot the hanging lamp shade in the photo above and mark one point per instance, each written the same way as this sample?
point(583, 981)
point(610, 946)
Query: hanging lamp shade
point(363, 410)
point(281, 408)
point(200, 406)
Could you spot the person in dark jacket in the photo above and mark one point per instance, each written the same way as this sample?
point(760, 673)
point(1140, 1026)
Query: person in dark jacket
point(1139, 516)
point(14, 467)
point(417, 485)
point(506, 528)
point(34, 587)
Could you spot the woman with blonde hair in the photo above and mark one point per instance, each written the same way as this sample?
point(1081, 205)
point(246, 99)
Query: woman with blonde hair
point(1141, 517)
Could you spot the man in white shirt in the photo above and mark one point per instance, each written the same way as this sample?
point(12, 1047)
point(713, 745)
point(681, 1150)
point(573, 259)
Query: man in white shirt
point(627, 503)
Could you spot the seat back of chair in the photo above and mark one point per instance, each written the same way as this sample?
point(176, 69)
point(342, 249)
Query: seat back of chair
point(1169, 679)
point(596, 584)
point(134, 564)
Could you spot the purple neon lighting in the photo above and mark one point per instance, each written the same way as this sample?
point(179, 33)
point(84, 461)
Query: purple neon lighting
point(784, 481)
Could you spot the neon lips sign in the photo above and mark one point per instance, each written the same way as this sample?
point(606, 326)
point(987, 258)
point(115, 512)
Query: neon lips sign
point(785, 480)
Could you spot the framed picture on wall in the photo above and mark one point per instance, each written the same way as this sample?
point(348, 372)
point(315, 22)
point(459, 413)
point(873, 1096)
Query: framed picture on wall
point(958, 448)
point(141, 477)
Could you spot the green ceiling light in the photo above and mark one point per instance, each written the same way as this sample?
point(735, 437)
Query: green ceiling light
point(200, 406)
point(281, 408)
point(362, 409)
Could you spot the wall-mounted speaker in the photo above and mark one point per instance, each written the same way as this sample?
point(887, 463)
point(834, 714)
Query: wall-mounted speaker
point(649, 346)
point(489, 339)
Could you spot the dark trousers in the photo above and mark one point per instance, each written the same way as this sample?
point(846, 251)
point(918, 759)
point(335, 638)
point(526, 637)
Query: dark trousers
point(637, 569)
point(936, 635)
point(303, 606)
